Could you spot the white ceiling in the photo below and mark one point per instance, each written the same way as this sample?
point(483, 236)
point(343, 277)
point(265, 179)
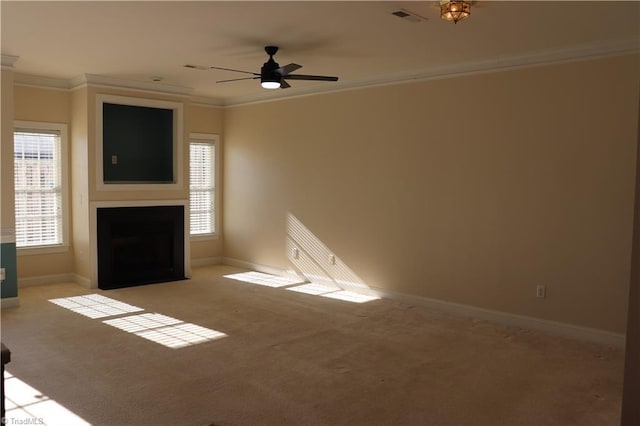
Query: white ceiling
point(361, 42)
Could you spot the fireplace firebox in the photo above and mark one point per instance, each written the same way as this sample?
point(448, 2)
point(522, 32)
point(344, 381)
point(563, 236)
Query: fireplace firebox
point(140, 245)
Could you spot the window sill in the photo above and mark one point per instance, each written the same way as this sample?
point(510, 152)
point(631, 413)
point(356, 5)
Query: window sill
point(203, 237)
point(39, 250)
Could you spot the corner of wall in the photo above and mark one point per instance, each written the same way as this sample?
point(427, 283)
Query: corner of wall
point(8, 260)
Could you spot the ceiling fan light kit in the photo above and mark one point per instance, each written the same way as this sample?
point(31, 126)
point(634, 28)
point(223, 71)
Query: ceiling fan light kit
point(454, 10)
point(270, 84)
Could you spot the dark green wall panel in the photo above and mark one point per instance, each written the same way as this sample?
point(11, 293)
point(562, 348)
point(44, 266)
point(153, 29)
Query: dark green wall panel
point(9, 286)
point(137, 144)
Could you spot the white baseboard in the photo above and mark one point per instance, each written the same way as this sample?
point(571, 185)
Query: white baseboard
point(552, 327)
point(9, 302)
point(205, 261)
point(274, 270)
point(46, 279)
point(83, 281)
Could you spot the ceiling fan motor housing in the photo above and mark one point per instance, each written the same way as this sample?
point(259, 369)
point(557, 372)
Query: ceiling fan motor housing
point(268, 72)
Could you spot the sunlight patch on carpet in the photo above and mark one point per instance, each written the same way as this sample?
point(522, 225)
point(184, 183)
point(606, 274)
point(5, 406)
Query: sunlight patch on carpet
point(333, 293)
point(350, 296)
point(165, 330)
point(313, 288)
point(95, 306)
point(26, 405)
point(300, 286)
point(263, 279)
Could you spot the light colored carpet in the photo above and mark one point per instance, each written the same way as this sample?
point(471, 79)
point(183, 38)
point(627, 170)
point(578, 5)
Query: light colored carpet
point(292, 358)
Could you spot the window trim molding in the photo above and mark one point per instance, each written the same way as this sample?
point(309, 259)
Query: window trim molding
point(214, 140)
point(62, 128)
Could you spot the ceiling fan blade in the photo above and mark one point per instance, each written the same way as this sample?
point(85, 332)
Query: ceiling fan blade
point(229, 69)
point(238, 79)
point(283, 71)
point(310, 77)
point(284, 84)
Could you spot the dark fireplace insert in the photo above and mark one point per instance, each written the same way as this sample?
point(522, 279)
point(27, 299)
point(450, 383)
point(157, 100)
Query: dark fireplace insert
point(140, 245)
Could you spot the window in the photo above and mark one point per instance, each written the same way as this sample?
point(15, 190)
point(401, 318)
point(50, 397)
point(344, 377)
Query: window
point(39, 174)
point(202, 196)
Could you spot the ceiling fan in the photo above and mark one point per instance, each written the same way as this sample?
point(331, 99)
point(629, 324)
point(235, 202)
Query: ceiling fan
point(272, 75)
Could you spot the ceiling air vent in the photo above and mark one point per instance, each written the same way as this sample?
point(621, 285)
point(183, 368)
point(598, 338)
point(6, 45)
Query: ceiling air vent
point(408, 16)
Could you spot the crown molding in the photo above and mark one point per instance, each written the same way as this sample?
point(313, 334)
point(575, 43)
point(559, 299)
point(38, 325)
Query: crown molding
point(145, 86)
point(539, 58)
point(40, 81)
point(101, 81)
point(8, 60)
point(207, 102)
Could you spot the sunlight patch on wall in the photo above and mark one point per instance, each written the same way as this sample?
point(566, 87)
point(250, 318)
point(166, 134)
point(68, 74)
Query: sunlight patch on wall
point(28, 406)
point(260, 278)
point(319, 265)
point(165, 330)
point(95, 306)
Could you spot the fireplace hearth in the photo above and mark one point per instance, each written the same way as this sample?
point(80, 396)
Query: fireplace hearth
point(140, 245)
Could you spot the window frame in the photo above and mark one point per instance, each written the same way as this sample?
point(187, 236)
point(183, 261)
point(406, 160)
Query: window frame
point(62, 129)
point(214, 141)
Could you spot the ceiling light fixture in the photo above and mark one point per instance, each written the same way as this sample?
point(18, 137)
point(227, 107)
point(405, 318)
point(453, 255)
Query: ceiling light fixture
point(454, 10)
point(272, 82)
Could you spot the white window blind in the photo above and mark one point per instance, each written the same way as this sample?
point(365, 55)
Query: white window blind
point(38, 188)
point(202, 187)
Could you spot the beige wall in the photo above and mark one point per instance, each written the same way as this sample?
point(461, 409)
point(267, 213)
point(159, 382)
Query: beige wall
point(37, 104)
point(471, 190)
point(7, 204)
point(8, 259)
point(631, 391)
point(80, 176)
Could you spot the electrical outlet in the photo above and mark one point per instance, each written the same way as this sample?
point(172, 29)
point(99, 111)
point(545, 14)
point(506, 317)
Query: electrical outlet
point(114, 159)
point(295, 253)
point(2, 274)
point(332, 259)
point(541, 291)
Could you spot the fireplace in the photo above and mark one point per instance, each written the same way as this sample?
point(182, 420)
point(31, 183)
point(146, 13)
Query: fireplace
point(140, 245)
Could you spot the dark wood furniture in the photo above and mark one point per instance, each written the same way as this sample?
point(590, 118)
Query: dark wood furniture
point(6, 358)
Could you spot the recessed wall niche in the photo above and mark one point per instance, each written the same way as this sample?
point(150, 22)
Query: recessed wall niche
point(139, 143)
